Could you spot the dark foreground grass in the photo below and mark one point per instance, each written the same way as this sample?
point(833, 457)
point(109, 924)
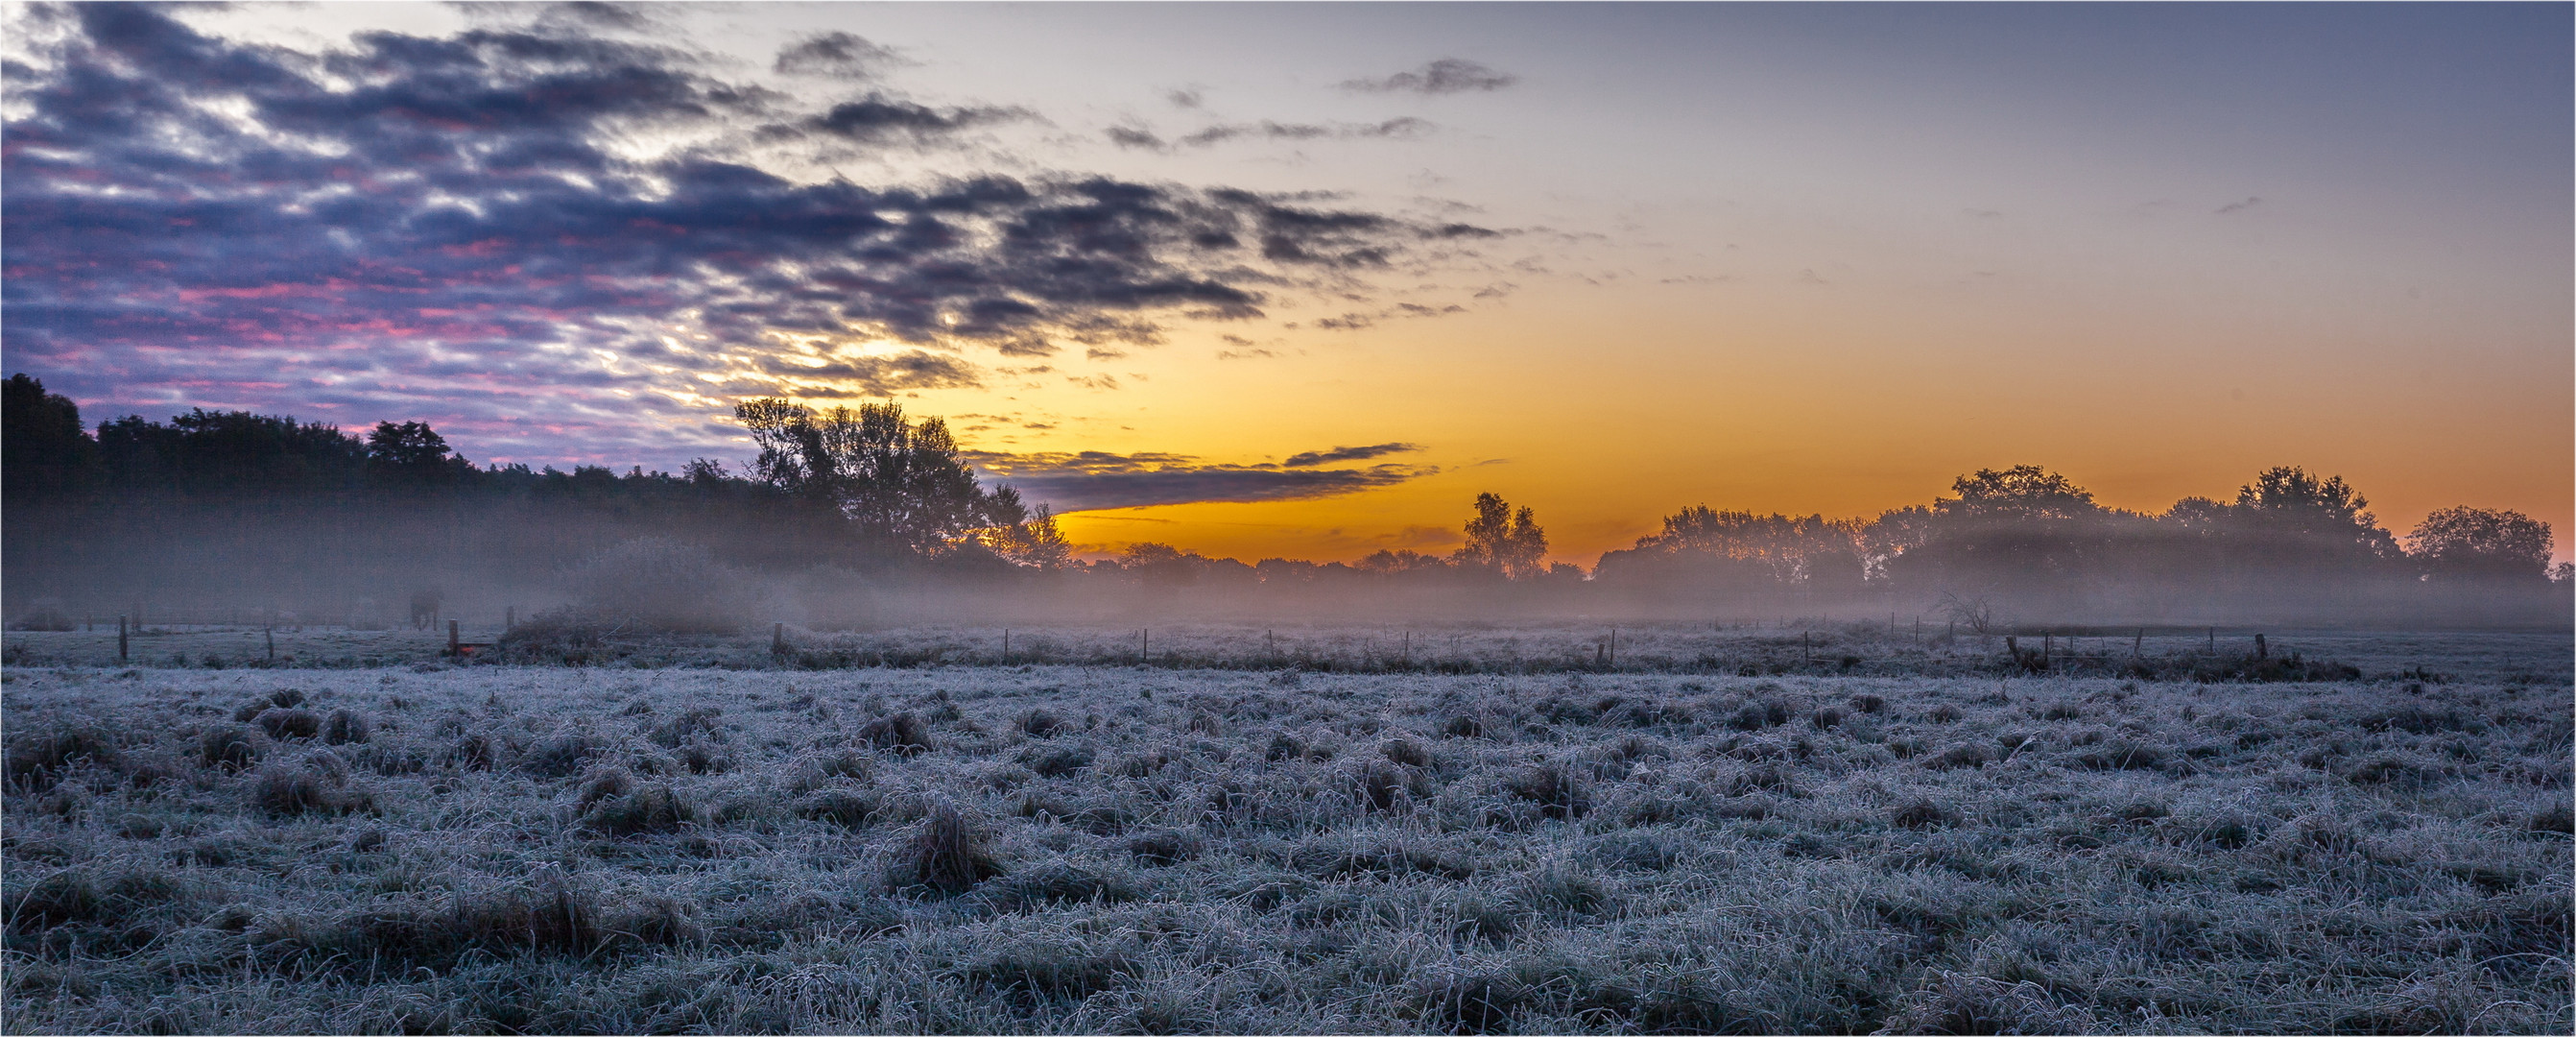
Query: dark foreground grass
point(1160, 851)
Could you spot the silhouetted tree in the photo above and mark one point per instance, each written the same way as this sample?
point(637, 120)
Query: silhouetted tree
point(2022, 492)
point(2322, 514)
point(43, 449)
point(413, 454)
point(900, 484)
point(1504, 541)
point(2474, 542)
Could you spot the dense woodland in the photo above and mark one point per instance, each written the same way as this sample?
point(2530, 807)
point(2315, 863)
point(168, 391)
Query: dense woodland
point(849, 516)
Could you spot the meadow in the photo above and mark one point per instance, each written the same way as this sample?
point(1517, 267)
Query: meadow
point(1786, 846)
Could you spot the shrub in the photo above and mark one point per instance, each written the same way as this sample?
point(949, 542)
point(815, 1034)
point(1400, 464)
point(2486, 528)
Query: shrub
point(1406, 751)
point(1463, 726)
point(1866, 703)
point(1825, 718)
point(1965, 754)
point(1944, 713)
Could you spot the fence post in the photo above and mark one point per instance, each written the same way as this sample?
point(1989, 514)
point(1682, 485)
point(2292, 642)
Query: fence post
point(1144, 645)
point(271, 632)
point(2138, 648)
point(2261, 650)
point(121, 643)
point(509, 619)
point(455, 647)
point(1006, 646)
point(777, 638)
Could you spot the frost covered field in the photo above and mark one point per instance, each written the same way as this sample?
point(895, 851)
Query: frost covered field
point(1122, 849)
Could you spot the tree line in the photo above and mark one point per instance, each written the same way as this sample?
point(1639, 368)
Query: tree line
point(872, 491)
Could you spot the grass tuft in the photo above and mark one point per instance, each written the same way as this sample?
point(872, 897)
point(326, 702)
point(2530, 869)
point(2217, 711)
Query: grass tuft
point(946, 853)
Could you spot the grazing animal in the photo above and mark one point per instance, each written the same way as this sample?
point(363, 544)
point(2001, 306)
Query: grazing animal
point(424, 609)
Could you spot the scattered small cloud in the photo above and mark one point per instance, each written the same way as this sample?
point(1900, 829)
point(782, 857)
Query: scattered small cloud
point(1444, 76)
point(1400, 128)
point(2239, 206)
point(1097, 353)
point(1185, 98)
point(837, 55)
point(1348, 453)
point(1137, 139)
point(1245, 354)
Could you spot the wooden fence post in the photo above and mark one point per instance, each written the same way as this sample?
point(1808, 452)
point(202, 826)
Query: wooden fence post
point(2261, 650)
point(271, 632)
point(1144, 645)
point(121, 643)
point(1006, 646)
point(455, 646)
point(509, 619)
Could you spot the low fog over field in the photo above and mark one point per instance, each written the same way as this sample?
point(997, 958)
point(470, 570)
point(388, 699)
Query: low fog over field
point(852, 520)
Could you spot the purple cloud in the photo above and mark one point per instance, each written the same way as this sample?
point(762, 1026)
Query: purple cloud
point(439, 228)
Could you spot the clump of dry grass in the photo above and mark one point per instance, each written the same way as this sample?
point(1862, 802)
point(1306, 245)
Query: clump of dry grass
point(1557, 791)
point(228, 748)
point(946, 853)
point(1039, 723)
point(641, 810)
point(283, 723)
point(344, 727)
point(1951, 1003)
point(36, 762)
point(315, 783)
point(1407, 752)
point(902, 734)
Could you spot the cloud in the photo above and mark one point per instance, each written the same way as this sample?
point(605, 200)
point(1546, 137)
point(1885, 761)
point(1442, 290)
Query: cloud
point(1131, 137)
point(1445, 76)
point(877, 119)
point(874, 376)
point(1245, 354)
point(2239, 206)
point(838, 55)
point(1348, 453)
point(1401, 128)
point(459, 228)
point(1093, 480)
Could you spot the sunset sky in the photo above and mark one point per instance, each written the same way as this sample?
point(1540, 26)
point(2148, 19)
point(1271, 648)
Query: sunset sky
point(1302, 280)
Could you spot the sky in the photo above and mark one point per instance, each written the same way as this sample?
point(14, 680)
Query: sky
point(1301, 280)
